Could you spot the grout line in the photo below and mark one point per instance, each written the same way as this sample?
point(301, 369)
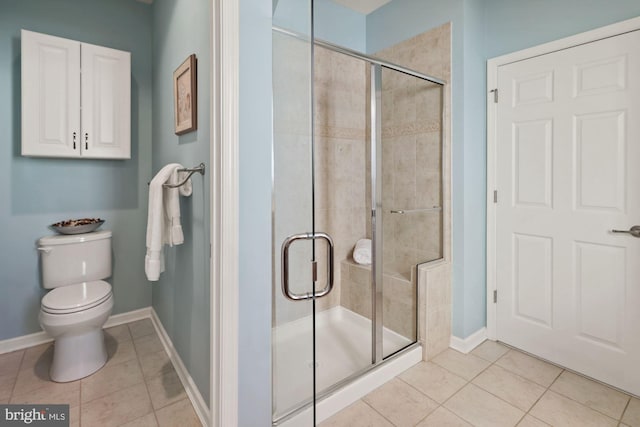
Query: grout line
point(15, 380)
point(376, 411)
point(624, 411)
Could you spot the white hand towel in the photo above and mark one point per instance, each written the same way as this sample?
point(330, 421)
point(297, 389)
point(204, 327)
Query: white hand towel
point(163, 219)
point(362, 252)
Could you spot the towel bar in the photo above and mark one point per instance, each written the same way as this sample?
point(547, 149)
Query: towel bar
point(200, 169)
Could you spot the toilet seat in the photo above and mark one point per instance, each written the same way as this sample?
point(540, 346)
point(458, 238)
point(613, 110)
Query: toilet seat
point(76, 298)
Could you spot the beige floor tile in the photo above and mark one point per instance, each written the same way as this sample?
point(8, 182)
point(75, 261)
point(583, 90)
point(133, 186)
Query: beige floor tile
point(165, 389)
point(119, 333)
point(74, 416)
point(624, 425)
point(155, 364)
point(466, 366)
point(141, 328)
point(117, 408)
point(10, 363)
point(490, 350)
point(38, 354)
point(481, 408)
point(592, 394)
point(36, 372)
point(509, 387)
point(54, 393)
point(110, 379)
point(529, 421)
point(558, 410)
point(443, 417)
point(119, 352)
point(433, 380)
point(178, 414)
point(357, 415)
point(632, 414)
point(148, 420)
point(6, 385)
point(148, 344)
point(400, 403)
point(533, 369)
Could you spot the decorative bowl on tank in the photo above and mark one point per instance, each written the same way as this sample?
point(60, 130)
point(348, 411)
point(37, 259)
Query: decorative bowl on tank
point(77, 226)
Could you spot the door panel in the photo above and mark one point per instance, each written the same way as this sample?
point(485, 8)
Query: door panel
point(50, 96)
point(568, 145)
point(106, 105)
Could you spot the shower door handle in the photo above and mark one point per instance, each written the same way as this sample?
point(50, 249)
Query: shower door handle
point(285, 266)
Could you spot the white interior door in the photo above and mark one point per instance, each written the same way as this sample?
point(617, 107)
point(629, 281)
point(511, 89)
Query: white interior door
point(567, 173)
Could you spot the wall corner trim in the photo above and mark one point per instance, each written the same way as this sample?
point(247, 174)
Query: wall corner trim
point(199, 404)
point(465, 345)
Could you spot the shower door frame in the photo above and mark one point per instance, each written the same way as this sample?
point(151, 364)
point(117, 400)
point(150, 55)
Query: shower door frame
point(375, 69)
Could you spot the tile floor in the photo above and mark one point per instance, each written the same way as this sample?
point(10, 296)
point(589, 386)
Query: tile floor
point(137, 387)
point(492, 386)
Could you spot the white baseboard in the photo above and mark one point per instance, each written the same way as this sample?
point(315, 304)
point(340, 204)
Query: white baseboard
point(37, 338)
point(129, 316)
point(465, 345)
point(199, 404)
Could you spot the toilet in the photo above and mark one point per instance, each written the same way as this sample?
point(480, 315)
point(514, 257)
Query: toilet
point(79, 303)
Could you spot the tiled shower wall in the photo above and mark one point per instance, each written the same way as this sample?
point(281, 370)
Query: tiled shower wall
point(340, 164)
point(411, 151)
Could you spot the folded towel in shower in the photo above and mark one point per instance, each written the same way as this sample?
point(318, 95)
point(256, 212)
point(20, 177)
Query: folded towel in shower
point(163, 218)
point(362, 252)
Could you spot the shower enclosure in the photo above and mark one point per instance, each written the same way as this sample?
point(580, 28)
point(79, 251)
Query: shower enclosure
point(357, 153)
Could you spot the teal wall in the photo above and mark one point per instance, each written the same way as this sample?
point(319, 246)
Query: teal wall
point(254, 323)
point(181, 296)
point(333, 22)
point(38, 192)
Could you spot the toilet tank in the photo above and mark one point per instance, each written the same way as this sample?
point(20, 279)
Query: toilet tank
point(71, 259)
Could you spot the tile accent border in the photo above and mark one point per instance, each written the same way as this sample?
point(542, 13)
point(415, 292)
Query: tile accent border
point(37, 338)
point(467, 344)
point(199, 404)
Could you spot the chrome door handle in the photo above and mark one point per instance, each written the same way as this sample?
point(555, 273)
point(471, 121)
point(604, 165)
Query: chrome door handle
point(634, 231)
point(285, 266)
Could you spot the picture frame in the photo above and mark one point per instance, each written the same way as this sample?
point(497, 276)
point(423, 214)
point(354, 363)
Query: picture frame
point(185, 91)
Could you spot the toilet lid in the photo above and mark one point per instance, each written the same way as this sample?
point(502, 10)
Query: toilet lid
point(78, 297)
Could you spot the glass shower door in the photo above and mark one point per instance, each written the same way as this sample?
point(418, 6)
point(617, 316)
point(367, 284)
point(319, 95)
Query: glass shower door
point(293, 345)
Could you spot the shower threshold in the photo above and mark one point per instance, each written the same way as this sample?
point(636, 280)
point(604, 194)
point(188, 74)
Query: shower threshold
point(344, 372)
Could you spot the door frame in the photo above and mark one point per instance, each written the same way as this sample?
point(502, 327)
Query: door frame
point(224, 230)
point(492, 81)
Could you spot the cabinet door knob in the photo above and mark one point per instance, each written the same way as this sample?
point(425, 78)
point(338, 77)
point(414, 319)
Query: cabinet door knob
point(86, 140)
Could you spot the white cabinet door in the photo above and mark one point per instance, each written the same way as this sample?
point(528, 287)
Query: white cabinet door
point(106, 103)
point(50, 96)
point(568, 149)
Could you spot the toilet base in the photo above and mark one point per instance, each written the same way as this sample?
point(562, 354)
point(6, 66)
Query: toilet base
point(78, 356)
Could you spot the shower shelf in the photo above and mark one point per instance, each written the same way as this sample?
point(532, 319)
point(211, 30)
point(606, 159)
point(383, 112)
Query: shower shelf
point(407, 211)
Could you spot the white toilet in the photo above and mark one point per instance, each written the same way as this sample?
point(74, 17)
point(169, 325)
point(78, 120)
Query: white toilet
point(74, 312)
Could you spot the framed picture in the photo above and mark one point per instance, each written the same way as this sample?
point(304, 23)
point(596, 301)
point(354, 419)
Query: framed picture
point(185, 91)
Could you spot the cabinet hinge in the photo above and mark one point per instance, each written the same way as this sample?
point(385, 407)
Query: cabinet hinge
point(495, 296)
point(495, 95)
point(495, 196)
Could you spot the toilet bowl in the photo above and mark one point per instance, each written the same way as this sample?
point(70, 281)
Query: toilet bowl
point(75, 310)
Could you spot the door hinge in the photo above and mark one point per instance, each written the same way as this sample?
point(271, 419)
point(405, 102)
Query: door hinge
point(314, 270)
point(495, 296)
point(495, 95)
point(495, 196)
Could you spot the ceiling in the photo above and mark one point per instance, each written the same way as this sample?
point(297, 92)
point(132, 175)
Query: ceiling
point(363, 6)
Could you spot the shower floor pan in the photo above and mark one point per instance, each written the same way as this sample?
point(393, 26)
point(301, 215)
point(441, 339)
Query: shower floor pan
point(343, 348)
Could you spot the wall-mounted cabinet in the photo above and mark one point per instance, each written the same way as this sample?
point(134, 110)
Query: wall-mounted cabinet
point(76, 99)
